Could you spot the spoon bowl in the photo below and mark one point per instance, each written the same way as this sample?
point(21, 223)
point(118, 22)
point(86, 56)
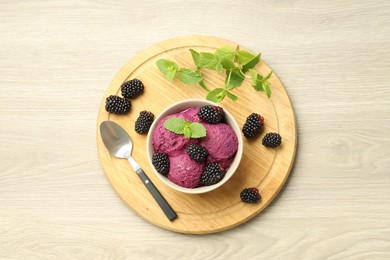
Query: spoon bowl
point(116, 140)
point(119, 144)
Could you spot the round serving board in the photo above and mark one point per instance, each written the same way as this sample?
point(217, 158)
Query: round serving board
point(260, 167)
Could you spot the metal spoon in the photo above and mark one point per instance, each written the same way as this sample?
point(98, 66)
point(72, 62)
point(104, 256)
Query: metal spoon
point(118, 142)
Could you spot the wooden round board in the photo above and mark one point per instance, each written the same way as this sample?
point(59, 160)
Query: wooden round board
point(261, 167)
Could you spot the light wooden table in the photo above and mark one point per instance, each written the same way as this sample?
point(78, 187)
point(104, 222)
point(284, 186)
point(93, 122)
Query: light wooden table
point(57, 58)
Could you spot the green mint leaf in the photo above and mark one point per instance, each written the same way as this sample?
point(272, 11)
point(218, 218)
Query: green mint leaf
point(187, 130)
point(253, 77)
point(226, 52)
point(258, 87)
point(257, 80)
point(231, 96)
point(170, 75)
point(244, 57)
point(233, 80)
point(219, 68)
point(197, 130)
point(188, 76)
point(259, 84)
point(251, 64)
point(204, 86)
point(175, 125)
point(266, 85)
point(195, 57)
point(166, 65)
point(216, 95)
point(266, 88)
point(207, 60)
point(227, 64)
point(268, 76)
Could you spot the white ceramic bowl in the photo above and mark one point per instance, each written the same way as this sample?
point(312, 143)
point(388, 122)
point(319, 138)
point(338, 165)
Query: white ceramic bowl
point(180, 106)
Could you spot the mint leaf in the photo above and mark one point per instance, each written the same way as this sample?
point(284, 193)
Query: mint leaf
point(175, 125)
point(207, 60)
point(204, 86)
point(170, 75)
point(197, 130)
point(219, 68)
point(225, 53)
point(266, 88)
point(257, 80)
point(254, 77)
point(188, 76)
point(201, 83)
point(233, 79)
point(251, 63)
point(187, 129)
point(227, 64)
point(216, 95)
point(231, 96)
point(266, 85)
point(268, 76)
point(244, 57)
point(195, 57)
point(165, 66)
point(261, 84)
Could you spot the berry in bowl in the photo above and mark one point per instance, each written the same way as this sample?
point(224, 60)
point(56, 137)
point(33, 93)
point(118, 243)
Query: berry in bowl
point(194, 146)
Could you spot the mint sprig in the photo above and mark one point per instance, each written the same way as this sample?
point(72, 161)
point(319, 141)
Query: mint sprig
point(234, 62)
point(182, 127)
point(261, 84)
point(171, 70)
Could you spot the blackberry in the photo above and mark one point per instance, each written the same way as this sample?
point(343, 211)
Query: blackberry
point(272, 140)
point(132, 88)
point(160, 161)
point(117, 105)
point(144, 121)
point(212, 174)
point(197, 153)
point(253, 126)
point(211, 114)
point(250, 195)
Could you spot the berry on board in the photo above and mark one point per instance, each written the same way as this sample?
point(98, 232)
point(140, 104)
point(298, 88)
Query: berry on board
point(250, 195)
point(132, 88)
point(253, 126)
point(117, 105)
point(272, 140)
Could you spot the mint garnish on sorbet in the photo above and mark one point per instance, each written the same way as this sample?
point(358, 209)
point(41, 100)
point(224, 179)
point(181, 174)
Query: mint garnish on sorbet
point(182, 127)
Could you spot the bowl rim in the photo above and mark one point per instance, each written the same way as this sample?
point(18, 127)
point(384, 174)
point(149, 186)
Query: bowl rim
point(180, 106)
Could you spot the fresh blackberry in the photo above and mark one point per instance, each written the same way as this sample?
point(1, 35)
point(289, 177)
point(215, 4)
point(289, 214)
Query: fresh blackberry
point(132, 88)
point(253, 125)
point(212, 174)
point(144, 122)
point(211, 114)
point(272, 140)
point(250, 195)
point(197, 153)
point(117, 105)
point(160, 161)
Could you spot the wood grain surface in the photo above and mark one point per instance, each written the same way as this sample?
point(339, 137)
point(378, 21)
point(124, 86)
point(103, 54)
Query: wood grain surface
point(57, 59)
point(261, 167)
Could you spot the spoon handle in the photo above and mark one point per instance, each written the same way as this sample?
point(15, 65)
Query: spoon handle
point(169, 212)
